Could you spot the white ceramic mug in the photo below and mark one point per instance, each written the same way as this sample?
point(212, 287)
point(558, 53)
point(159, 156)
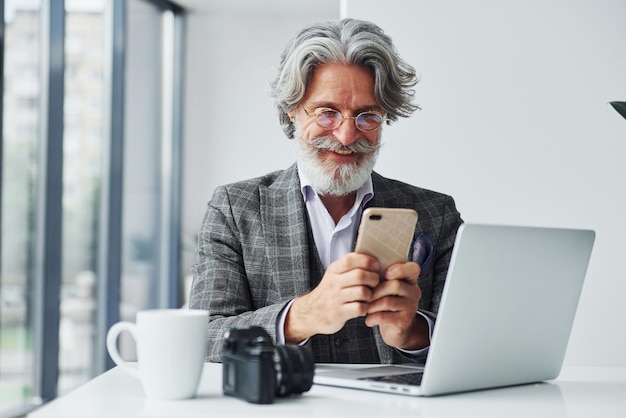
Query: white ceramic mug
point(171, 350)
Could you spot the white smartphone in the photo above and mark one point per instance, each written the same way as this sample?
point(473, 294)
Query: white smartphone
point(386, 233)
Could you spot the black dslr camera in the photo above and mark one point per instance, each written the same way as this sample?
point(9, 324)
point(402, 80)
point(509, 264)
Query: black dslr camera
point(257, 371)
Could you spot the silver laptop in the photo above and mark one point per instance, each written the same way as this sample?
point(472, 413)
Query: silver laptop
point(505, 317)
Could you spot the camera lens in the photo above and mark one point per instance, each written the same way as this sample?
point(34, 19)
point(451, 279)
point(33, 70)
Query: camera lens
point(295, 368)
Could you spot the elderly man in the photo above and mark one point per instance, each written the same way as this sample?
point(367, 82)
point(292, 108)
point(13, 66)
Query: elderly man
point(277, 251)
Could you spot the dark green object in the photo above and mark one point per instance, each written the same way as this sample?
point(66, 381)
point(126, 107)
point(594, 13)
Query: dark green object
point(620, 107)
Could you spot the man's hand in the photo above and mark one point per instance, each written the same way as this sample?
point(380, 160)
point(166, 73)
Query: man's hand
point(344, 293)
point(393, 308)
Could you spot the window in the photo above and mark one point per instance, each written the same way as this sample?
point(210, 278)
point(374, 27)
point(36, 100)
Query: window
point(109, 157)
point(82, 175)
point(20, 127)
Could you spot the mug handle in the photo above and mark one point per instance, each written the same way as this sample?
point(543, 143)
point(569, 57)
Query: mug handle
point(112, 337)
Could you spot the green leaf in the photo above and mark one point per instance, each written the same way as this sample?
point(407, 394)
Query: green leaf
point(620, 107)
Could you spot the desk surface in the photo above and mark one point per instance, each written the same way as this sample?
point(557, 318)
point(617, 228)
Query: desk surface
point(578, 392)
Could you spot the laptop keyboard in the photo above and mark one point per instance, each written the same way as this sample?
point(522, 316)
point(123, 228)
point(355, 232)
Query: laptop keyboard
point(402, 379)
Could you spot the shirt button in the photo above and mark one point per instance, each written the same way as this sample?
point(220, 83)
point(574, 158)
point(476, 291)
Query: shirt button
point(338, 341)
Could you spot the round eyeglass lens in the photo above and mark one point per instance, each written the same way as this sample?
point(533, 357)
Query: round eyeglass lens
point(368, 121)
point(328, 119)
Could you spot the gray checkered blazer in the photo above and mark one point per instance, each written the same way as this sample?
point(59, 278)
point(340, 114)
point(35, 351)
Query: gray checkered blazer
point(256, 252)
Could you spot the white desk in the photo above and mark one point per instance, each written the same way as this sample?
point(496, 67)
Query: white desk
point(578, 392)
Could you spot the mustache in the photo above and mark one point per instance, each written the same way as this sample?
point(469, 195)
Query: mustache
point(360, 146)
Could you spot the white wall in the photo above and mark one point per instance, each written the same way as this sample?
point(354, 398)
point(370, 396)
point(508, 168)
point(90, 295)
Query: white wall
point(231, 129)
point(516, 126)
point(515, 123)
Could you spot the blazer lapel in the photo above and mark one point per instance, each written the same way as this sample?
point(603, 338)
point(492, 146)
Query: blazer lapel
point(285, 226)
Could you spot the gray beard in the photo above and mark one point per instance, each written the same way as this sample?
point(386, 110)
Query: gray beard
point(330, 178)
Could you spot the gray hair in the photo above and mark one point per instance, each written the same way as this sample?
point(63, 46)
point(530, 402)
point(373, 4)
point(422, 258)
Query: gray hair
point(348, 41)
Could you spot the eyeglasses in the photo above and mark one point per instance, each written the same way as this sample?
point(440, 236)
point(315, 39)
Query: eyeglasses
point(330, 119)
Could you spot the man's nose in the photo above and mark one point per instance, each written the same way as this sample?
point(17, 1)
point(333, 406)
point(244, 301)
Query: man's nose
point(347, 132)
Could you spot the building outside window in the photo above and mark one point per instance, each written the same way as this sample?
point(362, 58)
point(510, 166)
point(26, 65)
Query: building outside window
point(21, 123)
